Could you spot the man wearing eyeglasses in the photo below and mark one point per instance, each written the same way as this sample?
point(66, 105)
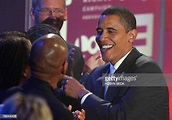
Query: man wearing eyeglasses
point(54, 12)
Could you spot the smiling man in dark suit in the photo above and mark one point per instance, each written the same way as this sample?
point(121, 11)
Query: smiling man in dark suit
point(144, 98)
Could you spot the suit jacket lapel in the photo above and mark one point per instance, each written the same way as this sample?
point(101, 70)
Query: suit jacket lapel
point(125, 67)
point(99, 88)
point(129, 62)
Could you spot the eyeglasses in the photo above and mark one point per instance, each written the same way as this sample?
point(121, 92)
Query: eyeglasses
point(47, 11)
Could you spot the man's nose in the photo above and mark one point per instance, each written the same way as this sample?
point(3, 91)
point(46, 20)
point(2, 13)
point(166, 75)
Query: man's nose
point(103, 36)
point(53, 14)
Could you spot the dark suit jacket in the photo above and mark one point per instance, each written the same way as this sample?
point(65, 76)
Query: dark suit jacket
point(140, 102)
point(42, 89)
point(78, 66)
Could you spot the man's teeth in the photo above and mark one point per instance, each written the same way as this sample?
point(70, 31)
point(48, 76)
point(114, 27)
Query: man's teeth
point(107, 46)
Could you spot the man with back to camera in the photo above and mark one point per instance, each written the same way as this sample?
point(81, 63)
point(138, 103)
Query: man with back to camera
point(48, 63)
point(144, 99)
point(34, 33)
point(54, 12)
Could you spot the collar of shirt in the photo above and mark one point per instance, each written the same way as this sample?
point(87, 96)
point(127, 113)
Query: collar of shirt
point(115, 67)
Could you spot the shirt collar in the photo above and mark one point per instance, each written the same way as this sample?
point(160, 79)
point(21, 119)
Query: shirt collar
point(115, 67)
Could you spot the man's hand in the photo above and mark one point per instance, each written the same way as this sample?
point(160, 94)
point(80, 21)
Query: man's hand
point(71, 54)
point(73, 88)
point(78, 115)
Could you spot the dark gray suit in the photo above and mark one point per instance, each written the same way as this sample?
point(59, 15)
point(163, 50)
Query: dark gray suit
point(141, 102)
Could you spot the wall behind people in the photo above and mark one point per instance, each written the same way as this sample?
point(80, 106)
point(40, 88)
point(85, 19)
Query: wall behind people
point(12, 15)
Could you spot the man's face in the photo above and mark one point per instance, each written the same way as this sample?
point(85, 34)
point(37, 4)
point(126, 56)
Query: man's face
point(112, 38)
point(49, 10)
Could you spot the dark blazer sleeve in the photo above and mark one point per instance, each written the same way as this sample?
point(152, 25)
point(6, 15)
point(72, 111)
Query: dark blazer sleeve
point(134, 102)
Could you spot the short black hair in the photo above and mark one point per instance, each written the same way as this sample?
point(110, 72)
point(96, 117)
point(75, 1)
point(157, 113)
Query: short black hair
point(14, 53)
point(127, 18)
point(39, 30)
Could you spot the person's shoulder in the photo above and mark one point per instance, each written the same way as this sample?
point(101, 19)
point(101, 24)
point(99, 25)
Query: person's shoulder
point(141, 59)
point(145, 60)
point(147, 63)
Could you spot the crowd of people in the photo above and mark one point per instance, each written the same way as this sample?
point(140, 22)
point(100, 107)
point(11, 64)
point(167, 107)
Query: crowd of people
point(42, 75)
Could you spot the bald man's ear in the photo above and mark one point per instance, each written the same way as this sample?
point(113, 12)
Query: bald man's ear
point(64, 68)
point(25, 75)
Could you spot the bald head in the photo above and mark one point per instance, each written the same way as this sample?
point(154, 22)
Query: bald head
point(48, 54)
